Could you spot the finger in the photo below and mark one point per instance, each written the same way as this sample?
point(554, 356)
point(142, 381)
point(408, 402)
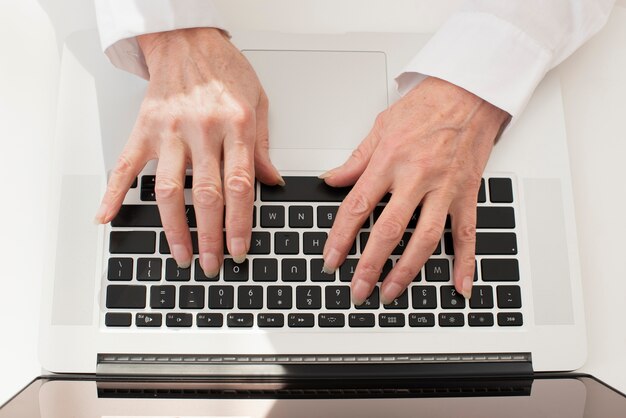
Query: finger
point(239, 184)
point(348, 173)
point(169, 187)
point(129, 165)
point(208, 204)
point(385, 235)
point(463, 216)
point(265, 170)
point(352, 213)
point(426, 237)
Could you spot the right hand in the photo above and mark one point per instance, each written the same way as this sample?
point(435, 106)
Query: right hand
point(204, 103)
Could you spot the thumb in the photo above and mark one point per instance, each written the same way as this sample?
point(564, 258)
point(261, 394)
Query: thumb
point(349, 172)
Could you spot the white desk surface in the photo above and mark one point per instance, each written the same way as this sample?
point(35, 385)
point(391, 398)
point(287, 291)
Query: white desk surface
point(594, 92)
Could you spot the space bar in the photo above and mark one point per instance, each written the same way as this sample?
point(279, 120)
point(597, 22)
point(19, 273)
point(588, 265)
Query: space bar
point(303, 189)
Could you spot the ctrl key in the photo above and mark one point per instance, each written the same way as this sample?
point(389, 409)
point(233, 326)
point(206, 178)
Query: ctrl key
point(510, 319)
point(117, 319)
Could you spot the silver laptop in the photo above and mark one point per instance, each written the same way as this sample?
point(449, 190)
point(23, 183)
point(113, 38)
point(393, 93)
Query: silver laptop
point(117, 305)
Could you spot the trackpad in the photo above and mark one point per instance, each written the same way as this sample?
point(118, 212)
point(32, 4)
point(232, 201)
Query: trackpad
point(321, 100)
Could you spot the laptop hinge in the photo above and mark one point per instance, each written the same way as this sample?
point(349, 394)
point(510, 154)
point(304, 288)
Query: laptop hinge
point(317, 366)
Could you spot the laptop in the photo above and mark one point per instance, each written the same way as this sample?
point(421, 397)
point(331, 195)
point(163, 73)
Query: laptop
point(118, 308)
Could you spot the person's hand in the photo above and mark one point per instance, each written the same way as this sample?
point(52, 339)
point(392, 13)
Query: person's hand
point(429, 149)
point(204, 104)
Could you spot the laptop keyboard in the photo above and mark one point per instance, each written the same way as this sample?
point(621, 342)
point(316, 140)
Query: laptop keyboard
point(281, 284)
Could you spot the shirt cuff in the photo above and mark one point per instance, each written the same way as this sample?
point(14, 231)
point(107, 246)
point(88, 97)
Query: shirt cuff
point(486, 56)
point(120, 21)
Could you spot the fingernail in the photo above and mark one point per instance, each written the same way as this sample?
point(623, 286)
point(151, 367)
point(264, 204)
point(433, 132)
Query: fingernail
point(467, 287)
point(238, 250)
point(331, 261)
point(100, 215)
point(210, 265)
point(360, 291)
point(389, 292)
point(181, 255)
point(281, 181)
point(326, 174)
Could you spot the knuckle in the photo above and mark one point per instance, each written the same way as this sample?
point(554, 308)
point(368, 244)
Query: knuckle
point(209, 240)
point(242, 115)
point(209, 120)
point(390, 230)
point(207, 195)
point(239, 184)
point(356, 204)
point(466, 234)
point(369, 270)
point(167, 188)
point(405, 272)
point(432, 234)
point(358, 154)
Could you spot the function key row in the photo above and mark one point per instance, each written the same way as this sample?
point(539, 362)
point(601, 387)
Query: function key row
point(293, 270)
point(306, 297)
point(313, 189)
point(306, 320)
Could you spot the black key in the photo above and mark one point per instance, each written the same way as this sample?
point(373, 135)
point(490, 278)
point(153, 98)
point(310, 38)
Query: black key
point(480, 319)
point(173, 273)
point(361, 320)
point(250, 297)
point(264, 270)
point(149, 269)
point(510, 319)
point(117, 319)
point(188, 182)
point(391, 320)
point(337, 297)
point(147, 195)
point(450, 299)
point(126, 297)
point(234, 272)
point(451, 320)
point(240, 320)
point(286, 243)
point(301, 320)
point(162, 297)
point(401, 302)
point(191, 297)
point(317, 275)
point(386, 269)
point(418, 278)
point(301, 217)
point(482, 196)
point(509, 297)
point(500, 190)
point(500, 270)
point(421, 320)
point(279, 297)
point(313, 242)
point(346, 270)
point(260, 243)
point(494, 217)
point(199, 276)
point(424, 297)
point(132, 242)
point(482, 297)
point(164, 247)
point(293, 270)
point(271, 320)
point(178, 320)
point(209, 320)
point(402, 244)
point(221, 297)
point(372, 301)
point(488, 243)
point(303, 189)
point(134, 185)
point(326, 216)
point(142, 216)
point(148, 182)
point(331, 320)
point(437, 270)
point(120, 269)
point(308, 297)
point(148, 320)
point(272, 216)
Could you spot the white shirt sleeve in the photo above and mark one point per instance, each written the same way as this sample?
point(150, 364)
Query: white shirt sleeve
point(120, 21)
point(501, 49)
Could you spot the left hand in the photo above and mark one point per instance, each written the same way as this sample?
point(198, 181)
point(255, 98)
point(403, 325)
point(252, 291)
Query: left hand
point(429, 149)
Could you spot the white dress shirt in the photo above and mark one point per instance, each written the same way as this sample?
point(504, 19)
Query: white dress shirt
point(497, 49)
